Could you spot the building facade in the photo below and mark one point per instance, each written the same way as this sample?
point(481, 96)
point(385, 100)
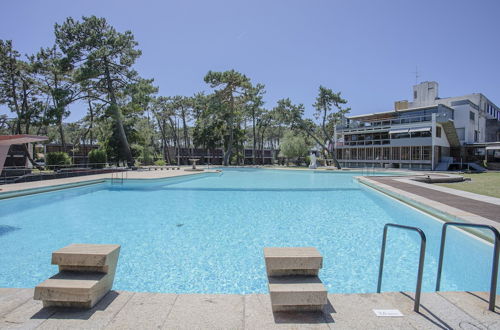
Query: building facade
point(429, 133)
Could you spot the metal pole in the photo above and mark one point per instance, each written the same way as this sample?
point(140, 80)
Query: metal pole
point(423, 243)
point(382, 257)
point(494, 267)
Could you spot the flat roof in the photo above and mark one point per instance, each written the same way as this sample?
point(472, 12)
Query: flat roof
point(21, 138)
point(397, 111)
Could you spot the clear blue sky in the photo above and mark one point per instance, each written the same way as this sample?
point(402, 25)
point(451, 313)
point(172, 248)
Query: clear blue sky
point(368, 50)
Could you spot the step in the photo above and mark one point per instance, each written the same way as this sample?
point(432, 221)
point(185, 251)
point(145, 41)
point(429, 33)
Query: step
point(86, 257)
point(297, 293)
point(73, 289)
point(86, 274)
point(284, 261)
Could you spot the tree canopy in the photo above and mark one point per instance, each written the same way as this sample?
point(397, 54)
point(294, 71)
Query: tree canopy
point(92, 63)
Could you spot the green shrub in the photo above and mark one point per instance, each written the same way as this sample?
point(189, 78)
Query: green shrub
point(98, 157)
point(57, 158)
point(160, 162)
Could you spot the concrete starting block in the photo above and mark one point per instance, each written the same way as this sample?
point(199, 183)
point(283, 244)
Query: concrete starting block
point(293, 279)
point(86, 274)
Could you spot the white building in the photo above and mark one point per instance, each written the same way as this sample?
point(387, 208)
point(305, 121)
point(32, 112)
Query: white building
point(426, 133)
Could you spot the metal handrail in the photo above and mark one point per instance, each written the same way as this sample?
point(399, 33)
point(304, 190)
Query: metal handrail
point(496, 252)
point(423, 242)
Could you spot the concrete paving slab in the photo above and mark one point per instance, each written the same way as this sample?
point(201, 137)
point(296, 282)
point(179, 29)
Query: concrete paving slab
point(144, 311)
point(476, 305)
point(12, 300)
point(128, 310)
point(29, 315)
point(355, 311)
point(206, 311)
point(437, 310)
point(5, 292)
point(96, 318)
point(259, 315)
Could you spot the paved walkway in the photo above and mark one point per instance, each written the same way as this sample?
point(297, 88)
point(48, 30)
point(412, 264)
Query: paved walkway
point(483, 209)
point(60, 183)
point(129, 310)
point(448, 204)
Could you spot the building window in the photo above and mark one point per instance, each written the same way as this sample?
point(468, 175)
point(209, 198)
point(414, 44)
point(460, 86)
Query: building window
point(415, 153)
point(472, 115)
point(361, 153)
point(395, 153)
point(476, 136)
point(438, 131)
point(414, 95)
point(405, 153)
point(369, 153)
point(377, 153)
point(387, 154)
point(426, 153)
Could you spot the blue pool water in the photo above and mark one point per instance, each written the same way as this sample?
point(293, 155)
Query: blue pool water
point(205, 234)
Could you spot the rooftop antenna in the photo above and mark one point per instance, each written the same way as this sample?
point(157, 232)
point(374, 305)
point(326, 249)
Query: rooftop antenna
point(416, 75)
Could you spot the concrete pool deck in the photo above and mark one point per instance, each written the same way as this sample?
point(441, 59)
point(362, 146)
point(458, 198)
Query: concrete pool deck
point(447, 203)
point(74, 181)
point(130, 310)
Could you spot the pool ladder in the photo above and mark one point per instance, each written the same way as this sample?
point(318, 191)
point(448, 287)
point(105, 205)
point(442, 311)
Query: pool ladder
point(118, 178)
point(423, 241)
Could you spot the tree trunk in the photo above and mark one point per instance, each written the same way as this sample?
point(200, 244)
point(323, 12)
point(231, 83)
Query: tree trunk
point(330, 153)
point(187, 144)
point(61, 133)
point(176, 140)
point(115, 110)
point(25, 147)
point(254, 139)
point(91, 126)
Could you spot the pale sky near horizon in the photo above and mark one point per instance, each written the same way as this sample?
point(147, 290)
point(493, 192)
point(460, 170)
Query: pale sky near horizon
point(368, 50)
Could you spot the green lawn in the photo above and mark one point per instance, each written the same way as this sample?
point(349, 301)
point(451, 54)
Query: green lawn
point(481, 183)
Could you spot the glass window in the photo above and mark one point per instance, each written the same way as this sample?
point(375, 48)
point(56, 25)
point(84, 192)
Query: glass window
point(426, 153)
point(369, 153)
point(387, 154)
point(401, 135)
point(415, 153)
point(361, 153)
point(405, 153)
point(395, 153)
point(472, 116)
point(438, 131)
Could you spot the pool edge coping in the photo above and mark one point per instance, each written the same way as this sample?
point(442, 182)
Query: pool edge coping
point(433, 211)
point(82, 183)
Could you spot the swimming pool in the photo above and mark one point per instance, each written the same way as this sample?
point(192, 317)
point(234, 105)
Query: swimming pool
point(205, 233)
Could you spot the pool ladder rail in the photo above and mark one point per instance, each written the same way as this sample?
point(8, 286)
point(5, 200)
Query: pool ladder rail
point(423, 241)
point(494, 267)
point(118, 177)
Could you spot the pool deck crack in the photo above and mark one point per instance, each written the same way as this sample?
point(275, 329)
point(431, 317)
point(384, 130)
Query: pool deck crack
point(169, 312)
